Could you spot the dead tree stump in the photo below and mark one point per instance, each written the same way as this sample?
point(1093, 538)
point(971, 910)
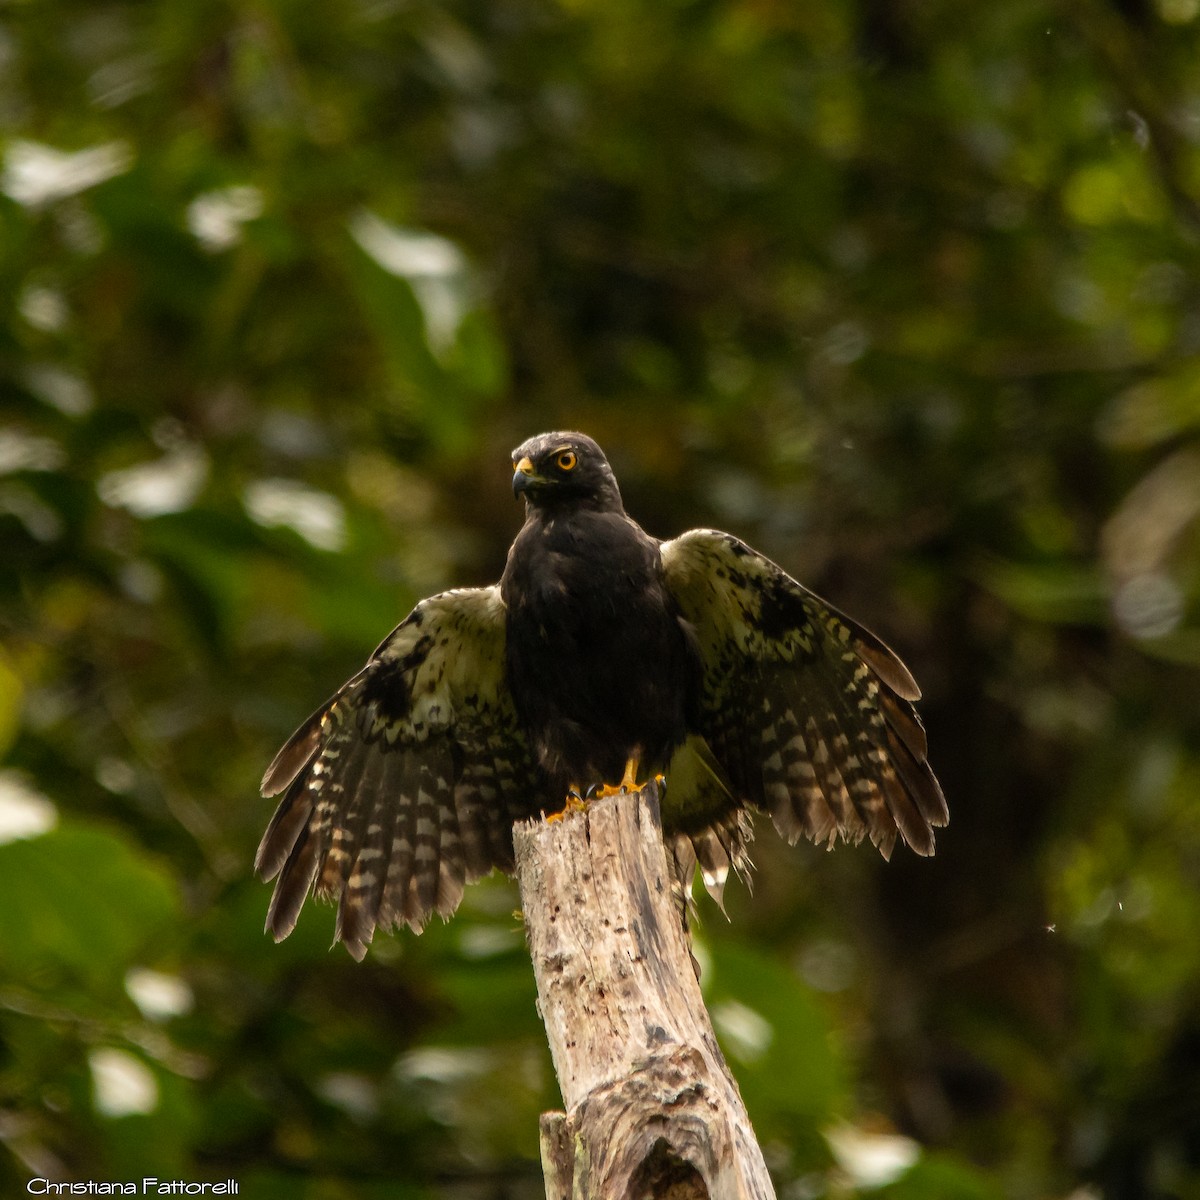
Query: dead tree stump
point(652, 1109)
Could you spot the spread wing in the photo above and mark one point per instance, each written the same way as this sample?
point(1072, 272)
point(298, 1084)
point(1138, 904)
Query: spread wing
point(810, 716)
point(405, 785)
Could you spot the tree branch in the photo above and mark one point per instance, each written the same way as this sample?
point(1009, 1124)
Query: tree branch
point(652, 1109)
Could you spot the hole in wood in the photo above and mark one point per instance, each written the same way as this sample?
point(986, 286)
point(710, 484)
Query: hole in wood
point(664, 1175)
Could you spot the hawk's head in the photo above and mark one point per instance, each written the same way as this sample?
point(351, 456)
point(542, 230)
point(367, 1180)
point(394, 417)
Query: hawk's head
point(555, 468)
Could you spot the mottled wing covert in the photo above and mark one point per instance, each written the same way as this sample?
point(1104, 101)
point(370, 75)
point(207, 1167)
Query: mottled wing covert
point(405, 785)
point(809, 714)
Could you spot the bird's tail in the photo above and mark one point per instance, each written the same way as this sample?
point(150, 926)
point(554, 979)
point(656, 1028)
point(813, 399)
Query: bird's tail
point(708, 828)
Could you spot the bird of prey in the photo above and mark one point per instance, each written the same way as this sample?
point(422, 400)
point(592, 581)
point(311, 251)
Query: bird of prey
point(602, 653)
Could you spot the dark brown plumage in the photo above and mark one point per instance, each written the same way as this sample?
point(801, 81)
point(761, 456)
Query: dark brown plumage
point(697, 656)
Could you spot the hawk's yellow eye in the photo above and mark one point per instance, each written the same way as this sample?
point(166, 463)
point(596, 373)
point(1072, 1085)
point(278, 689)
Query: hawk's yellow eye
point(567, 460)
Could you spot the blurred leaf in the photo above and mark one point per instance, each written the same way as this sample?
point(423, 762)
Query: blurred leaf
point(80, 905)
point(444, 357)
point(1156, 409)
point(10, 704)
point(941, 1177)
point(1059, 593)
point(778, 1040)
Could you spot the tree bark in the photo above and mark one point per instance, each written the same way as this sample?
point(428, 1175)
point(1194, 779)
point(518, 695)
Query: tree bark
point(651, 1108)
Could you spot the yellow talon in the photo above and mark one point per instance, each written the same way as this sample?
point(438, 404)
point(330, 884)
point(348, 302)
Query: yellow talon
point(628, 782)
point(573, 803)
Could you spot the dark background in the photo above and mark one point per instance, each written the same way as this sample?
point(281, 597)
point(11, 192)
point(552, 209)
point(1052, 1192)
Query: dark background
point(905, 294)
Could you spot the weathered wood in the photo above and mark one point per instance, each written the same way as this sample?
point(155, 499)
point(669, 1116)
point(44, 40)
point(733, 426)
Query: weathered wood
point(652, 1109)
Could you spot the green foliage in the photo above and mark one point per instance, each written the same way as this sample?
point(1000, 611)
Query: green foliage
point(940, 1178)
point(906, 295)
point(60, 892)
point(779, 1037)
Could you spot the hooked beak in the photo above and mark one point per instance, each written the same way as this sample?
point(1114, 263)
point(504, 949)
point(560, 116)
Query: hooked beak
point(523, 476)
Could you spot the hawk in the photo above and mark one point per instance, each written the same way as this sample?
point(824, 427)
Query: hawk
point(601, 653)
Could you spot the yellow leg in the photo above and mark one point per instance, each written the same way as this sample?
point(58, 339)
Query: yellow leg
point(628, 782)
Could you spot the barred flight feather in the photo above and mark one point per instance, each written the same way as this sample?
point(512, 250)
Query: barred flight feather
point(404, 785)
point(809, 714)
